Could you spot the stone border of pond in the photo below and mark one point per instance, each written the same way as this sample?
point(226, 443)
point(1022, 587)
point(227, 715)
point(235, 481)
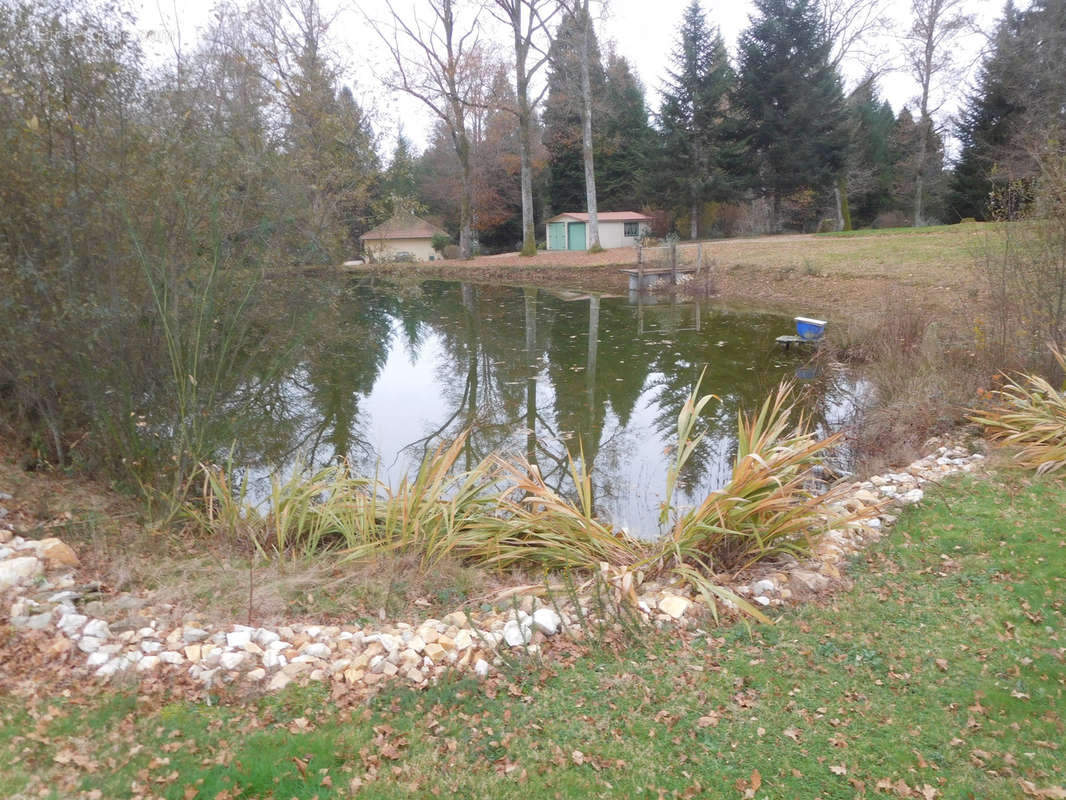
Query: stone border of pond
point(128, 638)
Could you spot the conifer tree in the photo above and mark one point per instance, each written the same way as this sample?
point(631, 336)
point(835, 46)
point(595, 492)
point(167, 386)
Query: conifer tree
point(791, 95)
point(699, 154)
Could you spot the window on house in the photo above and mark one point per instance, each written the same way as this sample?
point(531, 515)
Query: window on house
point(631, 229)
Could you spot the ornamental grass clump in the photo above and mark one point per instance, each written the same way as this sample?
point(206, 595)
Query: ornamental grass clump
point(771, 504)
point(431, 514)
point(1030, 414)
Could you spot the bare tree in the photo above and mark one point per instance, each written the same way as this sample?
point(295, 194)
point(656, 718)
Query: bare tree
point(850, 25)
point(439, 63)
point(579, 11)
point(528, 22)
point(930, 57)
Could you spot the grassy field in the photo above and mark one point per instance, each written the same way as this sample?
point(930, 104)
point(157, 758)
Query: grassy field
point(939, 674)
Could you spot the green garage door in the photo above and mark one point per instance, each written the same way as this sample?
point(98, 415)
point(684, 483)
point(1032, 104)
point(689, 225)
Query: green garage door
point(556, 235)
point(577, 236)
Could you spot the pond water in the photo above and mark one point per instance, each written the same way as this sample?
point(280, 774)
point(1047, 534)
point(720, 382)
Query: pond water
point(389, 373)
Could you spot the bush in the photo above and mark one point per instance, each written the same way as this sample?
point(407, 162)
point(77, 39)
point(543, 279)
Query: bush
point(452, 251)
point(440, 241)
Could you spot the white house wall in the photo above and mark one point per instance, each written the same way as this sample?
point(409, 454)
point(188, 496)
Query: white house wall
point(386, 249)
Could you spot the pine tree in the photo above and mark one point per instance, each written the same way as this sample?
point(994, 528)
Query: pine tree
point(627, 143)
point(562, 116)
point(400, 184)
point(871, 154)
point(1020, 89)
point(792, 98)
point(699, 154)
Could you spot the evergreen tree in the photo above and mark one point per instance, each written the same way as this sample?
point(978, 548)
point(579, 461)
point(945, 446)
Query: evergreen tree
point(1020, 90)
point(699, 154)
point(400, 185)
point(562, 116)
point(791, 96)
point(871, 154)
point(627, 144)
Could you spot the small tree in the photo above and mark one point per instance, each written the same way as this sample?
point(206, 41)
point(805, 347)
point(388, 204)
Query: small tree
point(440, 241)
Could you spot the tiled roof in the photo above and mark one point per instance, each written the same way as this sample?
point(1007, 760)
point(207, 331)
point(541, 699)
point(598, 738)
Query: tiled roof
point(604, 216)
point(403, 226)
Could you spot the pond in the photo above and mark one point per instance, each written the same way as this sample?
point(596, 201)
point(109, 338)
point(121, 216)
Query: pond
point(388, 373)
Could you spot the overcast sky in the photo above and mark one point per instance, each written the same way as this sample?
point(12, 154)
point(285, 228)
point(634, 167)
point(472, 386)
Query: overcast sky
point(642, 31)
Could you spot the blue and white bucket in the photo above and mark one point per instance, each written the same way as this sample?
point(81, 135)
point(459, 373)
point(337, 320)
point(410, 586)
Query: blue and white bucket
point(810, 329)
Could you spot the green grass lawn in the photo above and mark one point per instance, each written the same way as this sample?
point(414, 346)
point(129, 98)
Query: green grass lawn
point(939, 674)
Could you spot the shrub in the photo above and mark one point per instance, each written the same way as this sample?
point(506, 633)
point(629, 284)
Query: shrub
point(440, 241)
point(452, 251)
point(1031, 414)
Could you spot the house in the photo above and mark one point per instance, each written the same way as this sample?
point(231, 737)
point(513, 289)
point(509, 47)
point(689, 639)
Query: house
point(403, 237)
point(617, 229)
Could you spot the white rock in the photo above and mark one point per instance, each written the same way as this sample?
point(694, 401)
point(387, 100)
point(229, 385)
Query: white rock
point(316, 650)
point(913, 496)
point(313, 631)
point(110, 668)
point(463, 640)
point(279, 682)
point(765, 586)
point(481, 668)
point(231, 660)
point(97, 659)
point(151, 646)
point(194, 635)
point(416, 643)
point(256, 674)
point(97, 628)
point(273, 659)
point(147, 663)
point(89, 644)
point(171, 657)
point(238, 638)
point(547, 621)
point(71, 623)
point(674, 606)
point(265, 638)
point(515, 634)
point(762, 600)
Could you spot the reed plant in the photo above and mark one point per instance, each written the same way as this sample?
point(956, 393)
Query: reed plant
point(1030, 414)
point(536, 526)
point(502, 514)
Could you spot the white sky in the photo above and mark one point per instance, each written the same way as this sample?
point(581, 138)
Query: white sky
point(642, 31)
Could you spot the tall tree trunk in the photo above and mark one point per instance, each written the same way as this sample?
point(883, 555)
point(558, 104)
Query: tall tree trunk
point(932, 29)
point(586, 134)
point(694, 221)
point(525, 146)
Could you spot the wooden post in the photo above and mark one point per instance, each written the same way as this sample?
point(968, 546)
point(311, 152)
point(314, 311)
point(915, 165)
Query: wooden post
point(699, 258)
point(673, 263)
point(640, 267)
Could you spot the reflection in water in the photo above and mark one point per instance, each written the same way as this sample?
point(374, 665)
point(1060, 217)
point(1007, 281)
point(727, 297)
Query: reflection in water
point(386, 374)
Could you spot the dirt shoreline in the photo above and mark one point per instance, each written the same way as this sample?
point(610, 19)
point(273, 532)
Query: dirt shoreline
point(846, 279)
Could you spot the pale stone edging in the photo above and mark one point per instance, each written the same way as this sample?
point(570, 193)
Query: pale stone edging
point(416, 653)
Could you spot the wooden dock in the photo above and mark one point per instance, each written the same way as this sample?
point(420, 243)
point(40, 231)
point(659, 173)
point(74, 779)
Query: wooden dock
point(790, 339)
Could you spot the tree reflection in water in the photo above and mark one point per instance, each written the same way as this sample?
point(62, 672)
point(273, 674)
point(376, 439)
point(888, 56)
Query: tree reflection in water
point(384, 374)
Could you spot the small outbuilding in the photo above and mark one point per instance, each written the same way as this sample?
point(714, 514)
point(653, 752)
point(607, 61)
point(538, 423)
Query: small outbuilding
point(403, 237)
point(569, 231)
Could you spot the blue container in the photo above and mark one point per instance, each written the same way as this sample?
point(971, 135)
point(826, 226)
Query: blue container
point(810, 329)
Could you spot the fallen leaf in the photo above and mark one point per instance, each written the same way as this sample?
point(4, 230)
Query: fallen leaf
point(942, 664)
point(578, 757)
point(838, 769)
point(1048, 793)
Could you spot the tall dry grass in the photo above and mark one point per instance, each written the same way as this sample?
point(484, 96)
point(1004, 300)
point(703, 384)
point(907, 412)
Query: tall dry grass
point(1028, 413)
point(502, 515)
